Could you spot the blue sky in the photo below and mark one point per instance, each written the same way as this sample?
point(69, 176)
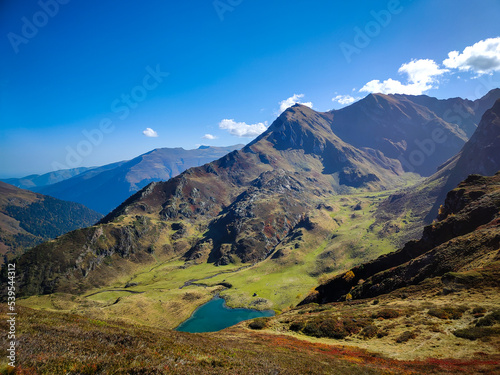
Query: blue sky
point(82, 82)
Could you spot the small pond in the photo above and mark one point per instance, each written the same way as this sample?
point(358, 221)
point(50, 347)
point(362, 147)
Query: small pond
point(215, 315)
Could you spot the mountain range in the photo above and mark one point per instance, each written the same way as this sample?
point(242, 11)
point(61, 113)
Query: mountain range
point(104, 188)
point(248, 205)
point(321, 218)
point(479, 155)
point(37, 180)
point(418, 132)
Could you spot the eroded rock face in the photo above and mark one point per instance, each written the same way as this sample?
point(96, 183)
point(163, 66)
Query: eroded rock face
point(257, 221)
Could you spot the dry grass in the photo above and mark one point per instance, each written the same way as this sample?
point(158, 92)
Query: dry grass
point(55, 343)
point(423, 324)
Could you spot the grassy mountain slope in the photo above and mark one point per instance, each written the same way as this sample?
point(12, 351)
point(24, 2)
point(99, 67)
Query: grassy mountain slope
point(28, 219)
point(438, 293)
point(72, 344)
point(158, 290)
point(466, 233)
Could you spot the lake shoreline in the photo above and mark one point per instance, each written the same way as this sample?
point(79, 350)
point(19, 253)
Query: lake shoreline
point(217, 310)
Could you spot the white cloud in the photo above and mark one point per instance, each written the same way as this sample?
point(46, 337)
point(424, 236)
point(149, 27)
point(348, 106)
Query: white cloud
point(390, 86)
point(242, 129)
point(482, 57)
point(422, 71)
point(422, 75)
point(345, 99)
point(150, 133)
point(209, 136)
point(287, 103)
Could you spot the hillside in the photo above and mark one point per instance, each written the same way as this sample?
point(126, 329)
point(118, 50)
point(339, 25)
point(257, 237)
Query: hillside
point(465, 237)
point(481, 154)
point(104, 188)
point(69, 343)
point(434, 294)
point(28, 219)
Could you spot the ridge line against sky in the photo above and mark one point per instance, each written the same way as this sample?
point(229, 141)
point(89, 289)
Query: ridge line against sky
point(94, 83)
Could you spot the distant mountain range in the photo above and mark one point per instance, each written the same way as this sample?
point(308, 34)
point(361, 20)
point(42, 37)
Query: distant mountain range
point(104, 188)
point(28, 219)
point(240, 207)
point(37, 180)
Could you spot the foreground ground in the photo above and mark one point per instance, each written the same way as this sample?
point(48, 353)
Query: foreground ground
point(58, 343)
point(430, 320)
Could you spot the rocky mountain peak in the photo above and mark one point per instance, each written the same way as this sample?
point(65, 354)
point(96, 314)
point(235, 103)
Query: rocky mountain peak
point(482, 153)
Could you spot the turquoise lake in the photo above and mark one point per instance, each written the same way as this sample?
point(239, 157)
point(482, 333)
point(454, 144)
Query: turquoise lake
point(215, 315)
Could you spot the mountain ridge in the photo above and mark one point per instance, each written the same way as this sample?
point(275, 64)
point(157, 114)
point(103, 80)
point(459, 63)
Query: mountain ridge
point(104, 188)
